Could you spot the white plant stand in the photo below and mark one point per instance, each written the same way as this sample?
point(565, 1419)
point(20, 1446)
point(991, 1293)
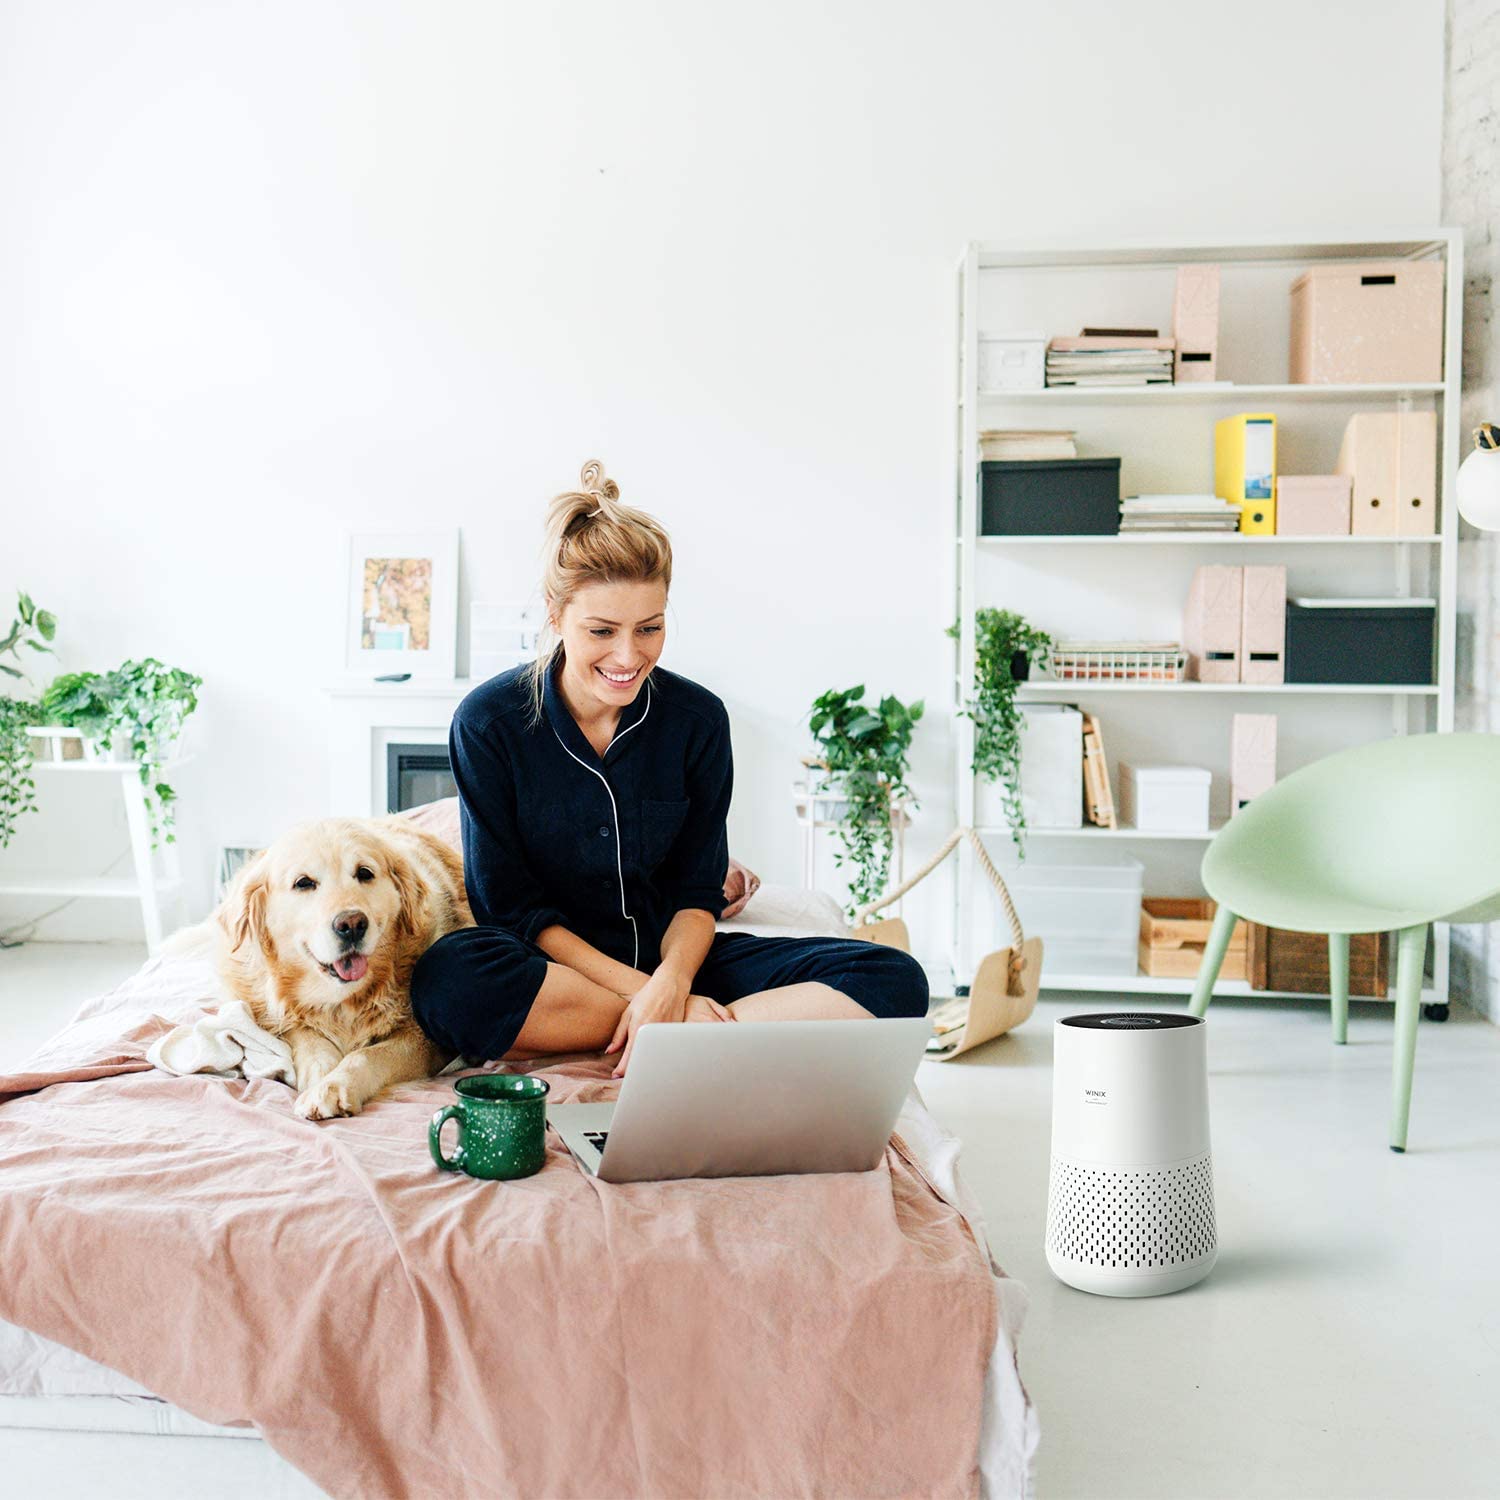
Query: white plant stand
point(150, 887)
point(819, 810)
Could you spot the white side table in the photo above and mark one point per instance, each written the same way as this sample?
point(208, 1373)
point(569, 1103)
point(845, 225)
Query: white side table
point(147, 886)
point(819, 809)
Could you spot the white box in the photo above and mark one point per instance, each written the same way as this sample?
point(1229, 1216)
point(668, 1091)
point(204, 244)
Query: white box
point(1051, 772)
point(501, 636)
point(1164, 799)
point(1085, 908)
point(1012, 361)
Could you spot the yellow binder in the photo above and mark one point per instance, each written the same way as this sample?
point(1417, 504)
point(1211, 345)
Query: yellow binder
point(1245, 468)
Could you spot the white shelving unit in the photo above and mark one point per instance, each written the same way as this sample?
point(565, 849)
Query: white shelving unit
point(150, 887)
point(1103, 587)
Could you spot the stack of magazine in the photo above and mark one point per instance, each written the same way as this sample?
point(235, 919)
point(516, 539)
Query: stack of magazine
point(1111, 356)
point(1178, 513)
point(1027, 443)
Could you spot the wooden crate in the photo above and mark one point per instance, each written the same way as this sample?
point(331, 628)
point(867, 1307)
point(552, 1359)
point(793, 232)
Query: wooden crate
point(1174, 934)
point(1298, 961)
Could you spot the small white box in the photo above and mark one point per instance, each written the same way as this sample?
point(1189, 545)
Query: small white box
point(1164, 799)
point(1012, 361)
point(501, 636)
point(1051, 772)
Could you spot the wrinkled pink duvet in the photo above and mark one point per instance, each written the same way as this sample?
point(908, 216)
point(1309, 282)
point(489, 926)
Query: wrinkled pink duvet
point(394, 1331)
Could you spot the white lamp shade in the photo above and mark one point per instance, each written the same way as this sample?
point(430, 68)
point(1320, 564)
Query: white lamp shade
point(1479, 489)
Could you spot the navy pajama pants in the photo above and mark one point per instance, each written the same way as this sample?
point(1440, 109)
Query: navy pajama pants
point(472, 990)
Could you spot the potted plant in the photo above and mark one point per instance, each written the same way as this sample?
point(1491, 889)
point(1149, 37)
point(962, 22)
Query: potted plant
point(145, 704)
point(32, 628)
point(1006, 647)
point(864, 753)
point(135, 712)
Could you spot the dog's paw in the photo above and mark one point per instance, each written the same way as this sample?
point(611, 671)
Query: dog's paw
point(329, 1098)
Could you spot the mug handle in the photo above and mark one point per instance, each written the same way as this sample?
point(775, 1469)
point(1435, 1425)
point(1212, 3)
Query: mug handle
point(434, 1138)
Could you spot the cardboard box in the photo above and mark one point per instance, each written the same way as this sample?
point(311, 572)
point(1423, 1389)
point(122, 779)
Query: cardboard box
point(1368, 322)
point(1174, 936)
point(1313, 504)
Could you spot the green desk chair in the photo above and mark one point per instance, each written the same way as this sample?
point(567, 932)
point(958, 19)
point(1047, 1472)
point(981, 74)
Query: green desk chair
point(1390, 836)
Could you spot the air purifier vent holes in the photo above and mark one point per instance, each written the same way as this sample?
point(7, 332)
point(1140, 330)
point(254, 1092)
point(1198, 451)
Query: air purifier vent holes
point(1152, 1219)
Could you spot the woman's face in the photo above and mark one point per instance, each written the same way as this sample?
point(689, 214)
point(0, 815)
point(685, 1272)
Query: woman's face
point(612, 635)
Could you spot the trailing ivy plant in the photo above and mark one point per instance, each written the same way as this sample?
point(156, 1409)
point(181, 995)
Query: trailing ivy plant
point(148, 701)
point(32, 628)
point(1005, 650)
point(866, 750)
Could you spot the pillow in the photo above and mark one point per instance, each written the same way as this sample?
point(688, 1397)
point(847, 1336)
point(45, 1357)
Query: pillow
point(441, 820)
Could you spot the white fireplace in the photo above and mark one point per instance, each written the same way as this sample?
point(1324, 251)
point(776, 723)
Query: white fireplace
point(367, 719)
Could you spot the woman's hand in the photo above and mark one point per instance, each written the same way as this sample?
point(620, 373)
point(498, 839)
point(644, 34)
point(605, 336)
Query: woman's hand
point(701, 1008)
point(661, 998)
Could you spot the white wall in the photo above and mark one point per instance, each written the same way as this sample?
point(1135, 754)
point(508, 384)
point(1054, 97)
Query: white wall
point(269, 271)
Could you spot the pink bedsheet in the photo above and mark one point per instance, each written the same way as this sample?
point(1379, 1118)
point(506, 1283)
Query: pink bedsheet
point(394, 1331)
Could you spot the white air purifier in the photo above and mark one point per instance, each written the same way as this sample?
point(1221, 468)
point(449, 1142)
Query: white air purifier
point(1130, 1206)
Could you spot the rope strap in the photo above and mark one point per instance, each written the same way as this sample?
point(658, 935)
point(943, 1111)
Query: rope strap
point(949, 844)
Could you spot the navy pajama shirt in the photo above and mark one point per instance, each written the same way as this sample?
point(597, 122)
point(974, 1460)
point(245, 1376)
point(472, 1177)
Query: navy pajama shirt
point(610, 848)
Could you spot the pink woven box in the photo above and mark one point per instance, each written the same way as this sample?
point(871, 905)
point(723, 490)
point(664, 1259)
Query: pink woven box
point(1368, 322)
point(1313, 504)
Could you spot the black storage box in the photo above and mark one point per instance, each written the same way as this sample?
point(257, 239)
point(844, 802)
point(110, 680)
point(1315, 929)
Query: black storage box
point(1360, 640)
point(1049, 497)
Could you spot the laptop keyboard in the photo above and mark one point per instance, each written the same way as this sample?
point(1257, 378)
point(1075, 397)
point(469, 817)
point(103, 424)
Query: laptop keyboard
point(596, 1138)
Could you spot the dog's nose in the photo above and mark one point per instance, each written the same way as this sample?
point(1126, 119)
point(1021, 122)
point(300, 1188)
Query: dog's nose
point(351, 926)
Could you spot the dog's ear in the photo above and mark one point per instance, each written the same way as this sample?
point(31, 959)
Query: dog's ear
point(243, 914)
point(404, 878)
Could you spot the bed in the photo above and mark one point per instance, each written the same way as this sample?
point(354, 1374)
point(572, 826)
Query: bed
point(400, 1332)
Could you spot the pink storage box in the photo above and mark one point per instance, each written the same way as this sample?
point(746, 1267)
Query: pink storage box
point(1313, 504)
point(1368, 322)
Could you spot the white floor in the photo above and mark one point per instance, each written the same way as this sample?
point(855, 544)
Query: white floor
point(1347, 1343)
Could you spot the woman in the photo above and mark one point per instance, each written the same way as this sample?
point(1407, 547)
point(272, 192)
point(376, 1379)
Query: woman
point(593, 787)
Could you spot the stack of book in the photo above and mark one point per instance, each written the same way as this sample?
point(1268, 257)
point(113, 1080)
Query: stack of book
point(1178, 513)
point(1107, 356)
point(1015, 442)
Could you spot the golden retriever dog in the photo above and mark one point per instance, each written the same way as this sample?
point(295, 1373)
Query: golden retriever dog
point(319, 936)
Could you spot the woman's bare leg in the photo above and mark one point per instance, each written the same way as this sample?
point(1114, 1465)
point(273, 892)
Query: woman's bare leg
point(570, 1014)
point(808, 1001)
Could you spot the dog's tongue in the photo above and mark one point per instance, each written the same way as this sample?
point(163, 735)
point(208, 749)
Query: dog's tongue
point(351, 966)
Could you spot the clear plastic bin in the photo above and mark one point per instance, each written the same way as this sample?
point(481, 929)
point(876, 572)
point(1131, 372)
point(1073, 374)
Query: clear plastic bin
point(1086, 909)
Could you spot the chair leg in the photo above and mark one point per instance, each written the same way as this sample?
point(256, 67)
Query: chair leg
point(1213, 957)
point(1338, 983)
point(1411, 951)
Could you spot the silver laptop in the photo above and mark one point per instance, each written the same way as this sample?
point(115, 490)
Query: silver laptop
point(746, 1098)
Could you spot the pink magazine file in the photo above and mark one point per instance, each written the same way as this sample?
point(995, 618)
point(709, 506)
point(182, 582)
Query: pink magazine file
point(1195, 324)
point(1263, 632)
point(1252, 758)
point(1211, 624)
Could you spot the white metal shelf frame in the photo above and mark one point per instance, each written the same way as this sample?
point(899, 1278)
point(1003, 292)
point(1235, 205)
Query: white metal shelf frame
point(973, 406)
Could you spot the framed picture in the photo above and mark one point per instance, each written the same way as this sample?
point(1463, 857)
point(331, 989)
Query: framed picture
point(402, 609)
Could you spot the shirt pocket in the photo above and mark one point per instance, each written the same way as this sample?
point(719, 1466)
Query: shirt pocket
point(661, 822)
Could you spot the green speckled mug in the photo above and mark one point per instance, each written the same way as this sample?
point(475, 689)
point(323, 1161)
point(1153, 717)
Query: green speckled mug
point(502, 1126)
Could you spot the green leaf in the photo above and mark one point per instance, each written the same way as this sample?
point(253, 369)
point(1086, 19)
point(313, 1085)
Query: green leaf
point(46, 623)
point(10, 671)
point(26, 606)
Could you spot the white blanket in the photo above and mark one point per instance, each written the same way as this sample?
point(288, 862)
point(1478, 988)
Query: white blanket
point(227, 1044)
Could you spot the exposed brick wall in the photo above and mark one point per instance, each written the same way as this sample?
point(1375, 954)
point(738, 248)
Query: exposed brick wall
point(1471, 200)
